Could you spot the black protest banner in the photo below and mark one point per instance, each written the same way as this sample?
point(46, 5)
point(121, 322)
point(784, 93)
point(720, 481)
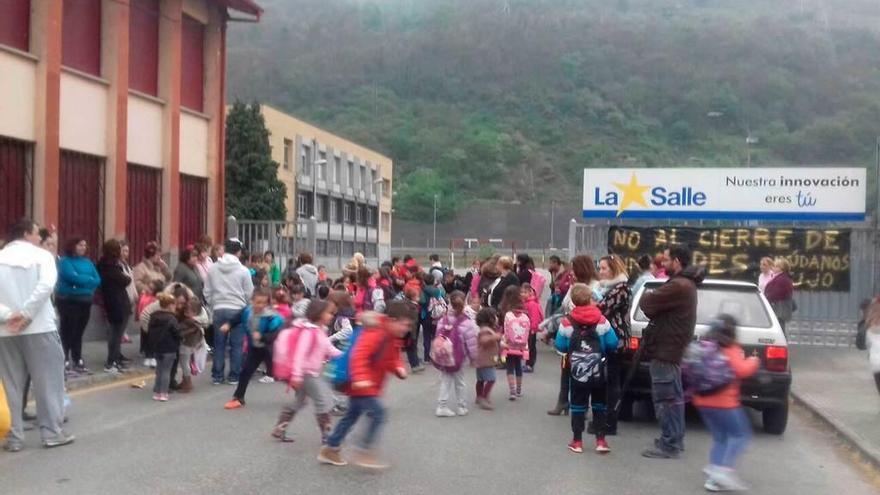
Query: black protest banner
point(820, 258)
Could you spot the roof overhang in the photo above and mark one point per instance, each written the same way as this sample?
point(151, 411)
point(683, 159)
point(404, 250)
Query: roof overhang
point(249, 7)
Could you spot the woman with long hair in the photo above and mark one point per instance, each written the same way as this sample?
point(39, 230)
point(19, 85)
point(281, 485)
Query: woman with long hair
point(114, 284)
point(615, 304)
point(77, 281)
point(780, 292)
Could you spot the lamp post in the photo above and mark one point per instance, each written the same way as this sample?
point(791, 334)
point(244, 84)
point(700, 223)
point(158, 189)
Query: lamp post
point(381, 190)
point(552, 217)
point(434, 244)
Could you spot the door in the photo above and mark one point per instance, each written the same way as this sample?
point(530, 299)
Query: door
point(15, 183)
point(193, 209)
point(144, 200)
point(81, 205)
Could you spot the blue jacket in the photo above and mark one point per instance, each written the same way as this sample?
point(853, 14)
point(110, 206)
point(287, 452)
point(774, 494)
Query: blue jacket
point(77, 277)
point(269, 325)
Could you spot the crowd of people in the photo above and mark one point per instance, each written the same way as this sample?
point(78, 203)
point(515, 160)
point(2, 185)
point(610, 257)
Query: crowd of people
point(334, 340)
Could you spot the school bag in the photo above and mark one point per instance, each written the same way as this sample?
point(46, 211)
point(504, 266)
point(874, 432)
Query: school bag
point(705, 369)
point(516, 330)
point(437, 307)
point(342, 364)
point(588, 364)
point(447, 348)
point(538, 282)
point(285, 347)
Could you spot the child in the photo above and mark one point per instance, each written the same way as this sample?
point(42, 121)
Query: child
point(191, 337)
point(488, 341)
point(536, 316)
point(515, 344)
point(461, 331)
point(322, 273)
point(298, 302)
point(376, 353)
point(473, 306)
point(164, 339)
point(147, 298)
point(312, 349)
point(343, 324)
point(411, 341)
point(722, 412)
point(262, 325)
point(282, 300)
point(590, 338)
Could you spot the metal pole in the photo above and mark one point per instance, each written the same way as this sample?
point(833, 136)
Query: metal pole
point(314, 178)
point(552, 217)
point(434, 246)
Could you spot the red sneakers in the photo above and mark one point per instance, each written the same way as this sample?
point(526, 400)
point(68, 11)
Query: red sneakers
point(576, 446)
point(602, 446)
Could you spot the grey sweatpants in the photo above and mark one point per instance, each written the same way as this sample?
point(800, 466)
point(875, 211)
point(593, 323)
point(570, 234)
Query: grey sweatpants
point(315, 388)
point(40, 356)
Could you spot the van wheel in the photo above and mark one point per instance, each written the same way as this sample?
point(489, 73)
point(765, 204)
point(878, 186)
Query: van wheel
point(776, 419)
point(626, 410)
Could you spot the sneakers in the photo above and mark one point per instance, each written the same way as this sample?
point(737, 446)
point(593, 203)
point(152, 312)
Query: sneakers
point(519, 394)
point(726, 480)
point(528, 369)
point(461, 411)
point(13, 447)
point(444, 412)
point(602, 446)
point(217, 382)
point(111, 369)
point(80, 367)
point(485, 404)
point(512, 396)
point(338, 411)
point(160, 397)
point(59, 442)
point(576, 446)
point(369, 460)
point(267, 379)
point(280, 432)
point(418, 369)
point(329, 455)
point(234, 383)
point(658, 453)
point(234, 404)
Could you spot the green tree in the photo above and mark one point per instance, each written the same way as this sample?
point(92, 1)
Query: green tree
point(415, 199)
point(253, 190)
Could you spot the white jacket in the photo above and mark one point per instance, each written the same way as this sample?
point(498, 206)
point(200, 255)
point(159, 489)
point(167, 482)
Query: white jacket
point(229, 284)
point(27, 279)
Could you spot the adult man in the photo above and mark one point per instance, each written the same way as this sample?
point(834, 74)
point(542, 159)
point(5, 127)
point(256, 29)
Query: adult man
point(308, 274)
point(672, 309)
point(29, 341)
point(228, 289)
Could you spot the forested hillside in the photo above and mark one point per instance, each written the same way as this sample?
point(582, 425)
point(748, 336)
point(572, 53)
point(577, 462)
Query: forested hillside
point(511, 99)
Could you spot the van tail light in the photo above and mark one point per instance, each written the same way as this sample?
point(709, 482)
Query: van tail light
point(777, 358)
point(633, 344)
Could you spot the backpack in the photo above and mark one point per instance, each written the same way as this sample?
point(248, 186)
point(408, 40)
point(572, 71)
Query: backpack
point(447, 348)
point(538, 282)
point(705, 369)
point(285, 348)
point(342, 365)
point(588, 364)
point(437, 307)
point(517, 330)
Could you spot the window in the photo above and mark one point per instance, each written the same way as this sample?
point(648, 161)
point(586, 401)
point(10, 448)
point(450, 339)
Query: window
point(333, 248)
point(359, 215)
point(304, 205)
point(348, 213)
point(321, 206)
point(15, 23)
point(192, 73)
point(306, 160)
point(322, 166)
point(81, 36)
point(373, 185)
point(288, 153)
point(350, 181)
point(386, 222)
point(348, 248)
point(334, 211)
point(364, 184)
point(321, 246)
point(386, 188)
point(370, 217)
point(370, 252)
point(143, 46)
point(339, 218)
point(713, 300)
point(337, 176)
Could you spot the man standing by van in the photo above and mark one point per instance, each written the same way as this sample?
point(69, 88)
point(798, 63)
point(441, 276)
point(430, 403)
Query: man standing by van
point(672, 309)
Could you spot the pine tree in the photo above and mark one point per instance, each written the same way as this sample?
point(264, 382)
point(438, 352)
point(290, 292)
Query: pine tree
point(253, 190)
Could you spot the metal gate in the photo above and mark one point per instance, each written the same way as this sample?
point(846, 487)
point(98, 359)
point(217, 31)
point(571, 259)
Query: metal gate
point(81, 200)
point(15, 181)
point(142, 217)
point(193, 216)
point(823, 318)
point(286, 239)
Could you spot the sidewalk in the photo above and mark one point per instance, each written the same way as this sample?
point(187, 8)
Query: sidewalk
point(836, 385)
point(94, 355)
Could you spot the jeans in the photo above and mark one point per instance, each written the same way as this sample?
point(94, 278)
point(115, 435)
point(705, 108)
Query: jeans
point(114, 341)
point(74, 316)
point(255, 357)
point(668, 395)
point(164, 363)
point(452, 387)
point(429, 327)
point(234, 339)
point(731, 432)
point(357, 406)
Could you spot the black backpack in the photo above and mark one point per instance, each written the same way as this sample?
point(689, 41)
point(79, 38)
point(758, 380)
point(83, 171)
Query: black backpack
point(588, 364)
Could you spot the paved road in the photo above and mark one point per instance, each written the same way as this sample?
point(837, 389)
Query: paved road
point(129, 444)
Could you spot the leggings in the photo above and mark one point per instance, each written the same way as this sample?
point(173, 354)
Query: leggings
point(514, 365)
point(582, 397)
point(74, 316)
point(533, 350)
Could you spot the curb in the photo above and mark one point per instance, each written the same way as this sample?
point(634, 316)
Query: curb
point(864, 448)
point(100, 378)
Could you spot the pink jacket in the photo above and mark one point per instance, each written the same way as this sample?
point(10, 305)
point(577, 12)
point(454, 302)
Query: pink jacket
point(312, 350)
point(536, 314)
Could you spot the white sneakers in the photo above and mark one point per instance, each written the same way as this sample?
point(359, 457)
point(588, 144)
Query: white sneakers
point(150, 363)
point(462, 411)
point(446, 412)
point(267, 379)
point(723, 480)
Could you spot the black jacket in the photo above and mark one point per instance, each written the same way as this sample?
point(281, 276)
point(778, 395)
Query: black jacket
point(498, 293)
point(163, 333)
point(672, 309)
point(114, 290)
point(190, 278)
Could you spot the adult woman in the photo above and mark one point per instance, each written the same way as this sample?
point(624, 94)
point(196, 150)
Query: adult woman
point(203, 260)
point(274, 269)
point(77, 281)
point(133, 296)
point(583, 270)
point(187, 272)
point(114, 284)
point(780, 292)
point(524, 268)
point(506, 278)
point(766, 273)
point(152, 268)
point(614, 306)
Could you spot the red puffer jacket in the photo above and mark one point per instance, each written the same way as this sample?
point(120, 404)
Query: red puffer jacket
point(376, 353)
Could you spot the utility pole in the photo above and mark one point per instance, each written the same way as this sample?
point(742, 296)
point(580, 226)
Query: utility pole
point(434, 245)
point(552, 217)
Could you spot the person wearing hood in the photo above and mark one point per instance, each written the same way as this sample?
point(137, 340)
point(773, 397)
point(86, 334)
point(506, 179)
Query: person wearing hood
point(227, 291)
point(587, 339)
point(614, 305)
point(308, 274)
point(672, 311)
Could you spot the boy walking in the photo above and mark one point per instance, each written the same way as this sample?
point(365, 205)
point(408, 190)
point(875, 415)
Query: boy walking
point(375, 354)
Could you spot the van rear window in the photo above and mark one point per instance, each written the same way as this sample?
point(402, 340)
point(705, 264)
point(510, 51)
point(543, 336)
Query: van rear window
point(744, 305)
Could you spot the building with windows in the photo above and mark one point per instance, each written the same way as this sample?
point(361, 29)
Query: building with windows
point(346, 187)
point(112, 117)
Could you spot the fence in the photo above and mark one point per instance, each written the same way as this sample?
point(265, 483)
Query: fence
point(822, 318)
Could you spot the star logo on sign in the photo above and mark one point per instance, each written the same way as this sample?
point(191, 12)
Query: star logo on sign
point(632, 193)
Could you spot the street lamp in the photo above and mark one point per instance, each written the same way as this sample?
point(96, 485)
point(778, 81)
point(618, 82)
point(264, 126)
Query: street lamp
point(381, 183)
point(435, 221)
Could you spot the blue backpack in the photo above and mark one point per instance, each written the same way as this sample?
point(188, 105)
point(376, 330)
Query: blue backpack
point(705, 369)
point(341, 373)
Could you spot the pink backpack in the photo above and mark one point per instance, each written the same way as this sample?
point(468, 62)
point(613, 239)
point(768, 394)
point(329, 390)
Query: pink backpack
point(285, 348)
point(538, 282)
point(516, 330)
point(448, 347)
